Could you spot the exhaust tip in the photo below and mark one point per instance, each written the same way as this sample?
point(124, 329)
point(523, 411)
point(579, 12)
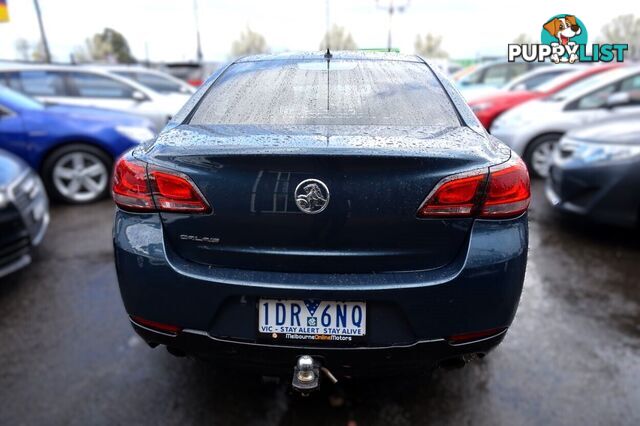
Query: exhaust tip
point(453, 363)
point(176, 352)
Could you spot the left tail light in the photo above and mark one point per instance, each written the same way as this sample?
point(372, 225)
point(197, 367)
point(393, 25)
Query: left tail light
point(501, 191)
point(139, 188)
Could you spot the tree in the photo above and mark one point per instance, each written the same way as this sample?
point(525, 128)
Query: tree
point(339, 39)
point(430, 46)
point(249, 43)
point(110, 46)
point(23, 49)
point(38, 53)
point(523, 39)
point(623, 29)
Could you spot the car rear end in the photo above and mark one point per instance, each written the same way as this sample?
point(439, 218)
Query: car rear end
point(346, 213)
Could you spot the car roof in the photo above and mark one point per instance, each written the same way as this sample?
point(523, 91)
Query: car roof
point(120, 67)
point(337, 55)
point(46, 67)
point(73, 68)
point(606, 77)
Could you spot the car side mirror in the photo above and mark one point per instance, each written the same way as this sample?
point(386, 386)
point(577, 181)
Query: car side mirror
point(138, 96)
point(618, 99)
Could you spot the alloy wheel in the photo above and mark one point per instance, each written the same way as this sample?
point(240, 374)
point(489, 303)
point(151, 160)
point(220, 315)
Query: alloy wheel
point(541, 158)
point(80, 176)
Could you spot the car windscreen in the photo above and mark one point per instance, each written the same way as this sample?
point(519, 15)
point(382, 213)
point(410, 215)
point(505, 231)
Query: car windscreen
point(318, 92)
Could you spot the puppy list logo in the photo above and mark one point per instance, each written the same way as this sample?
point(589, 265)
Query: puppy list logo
point(564, 40)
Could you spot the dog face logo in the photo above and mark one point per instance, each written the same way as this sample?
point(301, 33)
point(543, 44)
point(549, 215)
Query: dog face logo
point(563, 38)
point(564, 30)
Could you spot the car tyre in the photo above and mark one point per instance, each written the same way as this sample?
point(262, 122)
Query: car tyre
point(538, 155)
point(77, 174)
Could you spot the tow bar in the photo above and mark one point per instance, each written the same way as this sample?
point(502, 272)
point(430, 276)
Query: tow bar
point(306, 375)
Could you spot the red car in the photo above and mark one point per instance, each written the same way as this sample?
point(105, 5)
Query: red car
point(489, 107)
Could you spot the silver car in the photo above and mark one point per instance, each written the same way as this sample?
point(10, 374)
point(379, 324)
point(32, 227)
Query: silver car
point(158, 81)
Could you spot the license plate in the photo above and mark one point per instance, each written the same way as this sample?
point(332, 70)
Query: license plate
point(312, 320)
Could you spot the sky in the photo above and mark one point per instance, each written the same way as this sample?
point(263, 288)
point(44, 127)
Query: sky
point(165, 29)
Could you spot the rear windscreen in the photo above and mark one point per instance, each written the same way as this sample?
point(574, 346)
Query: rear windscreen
point(314, 92)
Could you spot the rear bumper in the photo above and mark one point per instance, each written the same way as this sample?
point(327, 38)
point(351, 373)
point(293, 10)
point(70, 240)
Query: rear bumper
point(603, 193)
point(410, 314)
point(279, 360)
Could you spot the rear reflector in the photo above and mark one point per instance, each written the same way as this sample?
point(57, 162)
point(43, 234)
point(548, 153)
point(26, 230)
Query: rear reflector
point(157, 326)
point(137, 189)
point(458, 339)
point(500, 192)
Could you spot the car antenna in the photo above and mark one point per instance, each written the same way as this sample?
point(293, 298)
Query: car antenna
point(328, 57)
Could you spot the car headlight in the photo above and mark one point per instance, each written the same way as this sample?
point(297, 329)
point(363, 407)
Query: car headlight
point(590, 153)
point(138, 134)
point(481, 106)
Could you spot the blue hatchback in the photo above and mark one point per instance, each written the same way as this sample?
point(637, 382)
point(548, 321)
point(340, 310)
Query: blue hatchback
point(340, 213)
point(73, 148)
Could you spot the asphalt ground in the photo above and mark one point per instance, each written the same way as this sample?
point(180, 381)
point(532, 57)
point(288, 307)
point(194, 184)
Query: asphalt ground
point(68, 355)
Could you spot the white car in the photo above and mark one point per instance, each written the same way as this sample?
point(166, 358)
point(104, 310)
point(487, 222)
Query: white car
point(533, 128)
point(527, 81)
point(491, 76)
point(74, 85)
point(159, 81)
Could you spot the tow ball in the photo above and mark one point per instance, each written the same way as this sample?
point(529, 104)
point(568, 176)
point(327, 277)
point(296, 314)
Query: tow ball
point(306, 375)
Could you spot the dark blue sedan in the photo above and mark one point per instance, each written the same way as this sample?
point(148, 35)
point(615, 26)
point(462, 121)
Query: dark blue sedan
point(595, 172)
point(73, 148)
point(343, 213)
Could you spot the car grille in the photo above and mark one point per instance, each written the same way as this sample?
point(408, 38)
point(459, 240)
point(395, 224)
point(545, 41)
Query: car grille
point(14, 237)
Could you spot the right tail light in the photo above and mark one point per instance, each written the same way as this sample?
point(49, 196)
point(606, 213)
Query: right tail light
point(502, 191)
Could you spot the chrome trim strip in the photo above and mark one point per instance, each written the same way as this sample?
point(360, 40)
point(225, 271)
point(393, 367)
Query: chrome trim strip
point(44, 224)
point(17, 181)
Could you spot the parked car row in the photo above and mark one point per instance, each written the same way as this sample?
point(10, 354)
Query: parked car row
point(72, 148)
point(138, 92)
point(533, 128)
point(69, 123)
point(579, 129)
